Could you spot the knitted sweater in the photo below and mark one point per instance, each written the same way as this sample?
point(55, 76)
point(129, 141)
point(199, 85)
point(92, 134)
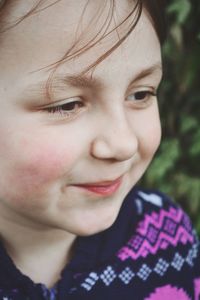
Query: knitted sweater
point(151, 252)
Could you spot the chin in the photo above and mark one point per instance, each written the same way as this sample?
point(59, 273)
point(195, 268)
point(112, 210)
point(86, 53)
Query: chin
point(96, 226)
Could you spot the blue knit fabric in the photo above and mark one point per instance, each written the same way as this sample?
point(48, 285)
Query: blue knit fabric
point(151, 252)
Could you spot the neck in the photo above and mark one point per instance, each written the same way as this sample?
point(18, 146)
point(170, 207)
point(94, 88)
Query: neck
point(39, 253)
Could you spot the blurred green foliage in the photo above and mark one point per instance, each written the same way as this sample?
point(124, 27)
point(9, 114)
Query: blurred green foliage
point(176, 168)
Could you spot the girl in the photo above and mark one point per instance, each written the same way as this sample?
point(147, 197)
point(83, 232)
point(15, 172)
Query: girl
point(79, 125)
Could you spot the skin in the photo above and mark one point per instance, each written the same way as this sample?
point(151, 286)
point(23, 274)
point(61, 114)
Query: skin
point(44, 154)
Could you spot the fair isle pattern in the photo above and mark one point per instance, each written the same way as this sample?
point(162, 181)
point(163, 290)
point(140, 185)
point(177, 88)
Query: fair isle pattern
point(156, 231)
point(108, 275)
point(169, 292)
point(197, 288)
point(50, 294)
point(151, 198)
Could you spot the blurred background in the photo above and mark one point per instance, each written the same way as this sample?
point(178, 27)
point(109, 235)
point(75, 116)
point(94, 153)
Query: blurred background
point(176, 167)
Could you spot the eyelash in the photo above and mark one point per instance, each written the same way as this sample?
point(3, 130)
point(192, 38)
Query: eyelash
point(71, 109)
point(65, 110)
point(143, 98)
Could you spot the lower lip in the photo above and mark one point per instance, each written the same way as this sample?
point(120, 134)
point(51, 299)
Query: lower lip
point(104, 190)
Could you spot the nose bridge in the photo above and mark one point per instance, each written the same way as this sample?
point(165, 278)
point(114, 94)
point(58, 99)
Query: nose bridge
point(118, 127)
point(115, 138)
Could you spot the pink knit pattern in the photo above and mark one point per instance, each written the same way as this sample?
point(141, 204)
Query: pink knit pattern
point(168, 292)
point(158, 231)
point(197, 288)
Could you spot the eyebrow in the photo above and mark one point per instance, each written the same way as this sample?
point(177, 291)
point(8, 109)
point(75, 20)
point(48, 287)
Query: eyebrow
point(156, 68)
point(85, 81)
point(79, 81)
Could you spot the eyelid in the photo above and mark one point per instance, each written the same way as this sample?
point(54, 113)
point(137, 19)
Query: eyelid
point(141, 97)
point(63, 101)
point(139, 88)
point(56, 112)
point(148, 89)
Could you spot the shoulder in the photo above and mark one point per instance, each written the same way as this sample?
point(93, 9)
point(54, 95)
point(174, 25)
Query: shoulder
point(147, 200)
point(163, 247)
point(157, 256)
point(157, 207)
point(163, 228)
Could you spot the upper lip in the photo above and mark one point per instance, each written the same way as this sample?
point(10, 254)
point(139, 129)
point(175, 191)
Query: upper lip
point(100, 183)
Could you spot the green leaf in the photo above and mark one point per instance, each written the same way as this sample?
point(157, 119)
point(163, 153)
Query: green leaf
point(165, 162)
point(181, 8)
point(195, 148)
point(176, 33)
point(188, 123)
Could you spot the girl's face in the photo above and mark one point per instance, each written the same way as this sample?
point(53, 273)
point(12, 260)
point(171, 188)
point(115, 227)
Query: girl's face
point(69, 161)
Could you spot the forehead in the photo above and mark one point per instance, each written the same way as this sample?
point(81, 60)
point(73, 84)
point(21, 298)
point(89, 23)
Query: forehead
point(47, 35)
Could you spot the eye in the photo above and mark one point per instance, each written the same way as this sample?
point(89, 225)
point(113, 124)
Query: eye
point(141, 98)
point(65, 109)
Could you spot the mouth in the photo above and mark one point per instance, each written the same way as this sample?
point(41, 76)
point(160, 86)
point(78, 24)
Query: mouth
point(104, 188)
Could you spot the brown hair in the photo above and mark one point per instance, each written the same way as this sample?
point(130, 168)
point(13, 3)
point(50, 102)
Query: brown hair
point(154, 8)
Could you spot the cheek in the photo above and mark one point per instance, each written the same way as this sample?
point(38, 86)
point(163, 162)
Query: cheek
point(44, 164)
point(153, 140)
point(36, 168)
point(150, 135)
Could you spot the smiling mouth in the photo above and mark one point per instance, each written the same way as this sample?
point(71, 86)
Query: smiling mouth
point(104, 188)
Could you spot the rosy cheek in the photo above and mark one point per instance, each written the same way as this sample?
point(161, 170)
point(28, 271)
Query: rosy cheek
point(41, 167)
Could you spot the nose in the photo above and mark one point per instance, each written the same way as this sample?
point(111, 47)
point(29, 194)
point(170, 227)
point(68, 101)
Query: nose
point(115, 139)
